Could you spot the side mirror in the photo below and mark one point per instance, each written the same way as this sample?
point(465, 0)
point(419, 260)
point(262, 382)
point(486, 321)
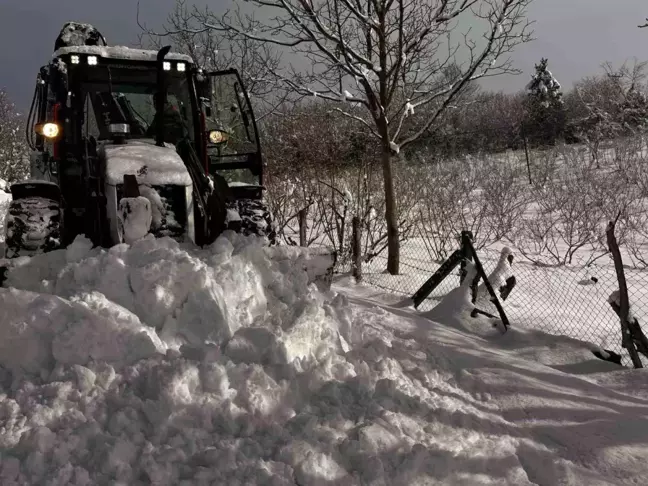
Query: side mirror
point(203, 87)
point(207, 108)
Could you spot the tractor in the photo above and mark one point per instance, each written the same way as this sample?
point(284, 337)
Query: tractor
point(111, 122)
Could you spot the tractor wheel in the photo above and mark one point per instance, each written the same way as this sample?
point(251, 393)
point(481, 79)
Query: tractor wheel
point(255, 219)
point(32, 226)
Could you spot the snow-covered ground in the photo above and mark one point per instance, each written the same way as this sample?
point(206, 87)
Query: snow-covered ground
point(161, 363)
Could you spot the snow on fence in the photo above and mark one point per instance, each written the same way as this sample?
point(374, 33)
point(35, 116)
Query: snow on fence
point(561, 300)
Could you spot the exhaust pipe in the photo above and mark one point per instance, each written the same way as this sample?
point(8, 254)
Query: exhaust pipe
point(161, 100)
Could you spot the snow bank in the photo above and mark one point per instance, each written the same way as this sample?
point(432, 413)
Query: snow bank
point(40, 330)
point(159, 363)
point(190, 296)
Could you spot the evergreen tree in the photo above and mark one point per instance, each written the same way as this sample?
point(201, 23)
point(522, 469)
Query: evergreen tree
point(545, 117)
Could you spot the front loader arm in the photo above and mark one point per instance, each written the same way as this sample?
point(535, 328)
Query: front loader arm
point(211, 199)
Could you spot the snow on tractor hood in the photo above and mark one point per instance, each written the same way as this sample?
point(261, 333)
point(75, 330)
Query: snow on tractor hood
point(151, 164)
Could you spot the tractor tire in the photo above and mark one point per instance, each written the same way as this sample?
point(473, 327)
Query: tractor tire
point(255, 219)
point(32, 226)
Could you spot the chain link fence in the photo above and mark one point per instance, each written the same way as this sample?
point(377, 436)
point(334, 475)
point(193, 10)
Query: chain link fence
point(559, 300)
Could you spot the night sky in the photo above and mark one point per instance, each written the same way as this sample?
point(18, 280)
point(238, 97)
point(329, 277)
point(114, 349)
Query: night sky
point(576, 35)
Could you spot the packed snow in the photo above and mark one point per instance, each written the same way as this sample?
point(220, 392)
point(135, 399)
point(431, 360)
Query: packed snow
point(161, 363)
point(151, 164)
point(78, 34)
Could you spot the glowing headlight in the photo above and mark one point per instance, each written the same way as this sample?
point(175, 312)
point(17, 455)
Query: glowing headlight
point(92, 60)
point(50, 130)
point(217, 137)
point(166, 66)
point(182, 67)
point(75, 59)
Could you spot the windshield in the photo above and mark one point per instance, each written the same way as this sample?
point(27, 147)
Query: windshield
point(119, 95)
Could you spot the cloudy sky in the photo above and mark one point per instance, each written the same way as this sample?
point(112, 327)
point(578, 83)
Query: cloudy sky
point(575, 35)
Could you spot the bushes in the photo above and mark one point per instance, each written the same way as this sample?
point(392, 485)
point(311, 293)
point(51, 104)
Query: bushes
point(322, 163)
point(558, 220)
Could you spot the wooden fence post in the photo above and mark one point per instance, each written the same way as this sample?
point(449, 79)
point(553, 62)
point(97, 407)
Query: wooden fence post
point(526, 153)
point(465, 236)
point(303, 226)
point(356, 249)
point(627, 340)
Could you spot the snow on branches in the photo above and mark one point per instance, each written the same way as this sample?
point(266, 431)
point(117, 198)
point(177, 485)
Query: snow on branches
point(13, 151)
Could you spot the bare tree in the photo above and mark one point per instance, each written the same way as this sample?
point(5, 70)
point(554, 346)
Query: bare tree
point(218, 50)
point(13, 151)
point(380, 60)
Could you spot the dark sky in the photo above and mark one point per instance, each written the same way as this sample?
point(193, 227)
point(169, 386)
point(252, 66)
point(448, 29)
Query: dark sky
point(576, 35)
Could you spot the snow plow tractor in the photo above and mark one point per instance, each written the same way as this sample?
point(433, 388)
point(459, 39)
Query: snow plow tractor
point(112, 125)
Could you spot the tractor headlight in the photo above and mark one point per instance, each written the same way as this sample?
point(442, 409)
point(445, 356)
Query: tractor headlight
point(218, 137)
point(92, 60)
point(48, 130)
point(182, 67)
point(166, 65)
point(74, 59)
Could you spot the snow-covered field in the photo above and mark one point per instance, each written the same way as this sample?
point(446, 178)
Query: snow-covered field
point(161, 363)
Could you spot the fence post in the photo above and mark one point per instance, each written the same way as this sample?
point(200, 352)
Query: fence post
point(356, 248)
point(303, 213)
point(489, 287)
point(465, 236)
point(627, 338)
point(466, 242)
point(526, 153)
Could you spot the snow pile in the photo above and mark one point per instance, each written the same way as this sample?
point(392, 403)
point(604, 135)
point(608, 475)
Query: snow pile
point(161, 359)
point(159, 363)
point(499, 275)
point(78, 34)
point(40, 330)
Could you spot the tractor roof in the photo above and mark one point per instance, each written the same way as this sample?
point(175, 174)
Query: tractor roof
point(120, 52)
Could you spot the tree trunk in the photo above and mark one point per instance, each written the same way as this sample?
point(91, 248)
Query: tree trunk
point(391, 219)
point(356, 247)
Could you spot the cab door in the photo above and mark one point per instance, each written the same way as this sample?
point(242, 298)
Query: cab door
point(232, 138)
